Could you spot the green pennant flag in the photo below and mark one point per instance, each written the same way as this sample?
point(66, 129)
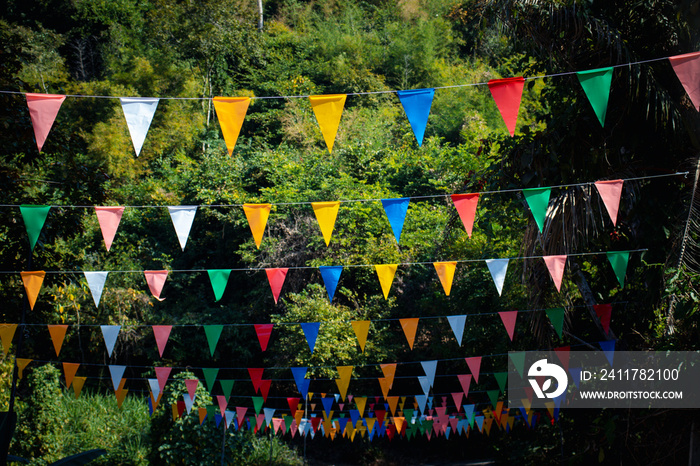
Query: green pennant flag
point(493, 397)
point(257, 403)
point(596, 85)
point(210, 377)
point(219, 279)
point(213, 334)
point(556, 317)
point(519, 361)
point(226, 387)
point(538, 200)
point(34, 217)
point(618, 260)
point(287, 423)
point(501, 378)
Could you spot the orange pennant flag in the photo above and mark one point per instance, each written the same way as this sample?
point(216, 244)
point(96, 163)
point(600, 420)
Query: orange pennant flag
point(345, 373)
point(361, 402)
point(257, 215)
point(58, 333)
point(409, 327)
point(231, 112)
point(446, 273)
point(78, 383)
point(328, 110)
point(69, 370)
point(393, 402)
point(7, 333)
point(32, 284)
point(389, 371)
point(361, 328)
point(385, 385)
point(399, 421)
point(121, 395)
point(385, 273)
point(21, 364)
point(326, 213)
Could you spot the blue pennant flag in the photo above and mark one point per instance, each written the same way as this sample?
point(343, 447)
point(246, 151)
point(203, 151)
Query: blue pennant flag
point(299, 374)
point(311, 332)
point(331, 276)
point(416, 103)
point(396, 213)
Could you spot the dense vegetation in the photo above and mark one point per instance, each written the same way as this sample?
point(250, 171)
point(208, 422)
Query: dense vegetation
point(199, 50)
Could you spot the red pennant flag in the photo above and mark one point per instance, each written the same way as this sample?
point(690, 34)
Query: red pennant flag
point(293, 402)
point(223, 402)
point(563, 355)
point(604, 311)
point(276, 278)
point(162, 374)
point(555, 265)
point(256, 377)
point(466, 208)
point(474, 364)
point(162, 334)
point(191, 385)
point(263, 331)
point(265, 388)
point(610, 192)
point(457, 398)
point(43, 109)
point(465, 380)
point(508, 318)
point(156, 281)
point(687, 68)
point(507, 94)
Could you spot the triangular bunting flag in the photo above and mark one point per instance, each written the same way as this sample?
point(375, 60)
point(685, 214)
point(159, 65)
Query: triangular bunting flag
point(156, 281)
point(69, 370)
point(162, 334)
point(182, 217)
point(257, 215)
point(331, 276)
point(424, 384)
point(263, 331)
point(162, 374)
point(596, 85)
point(361, 328)
point(116, 372)
point(604, 311)
point(219, 280)
point(302, 382)
point(498, 269)
point(276, 278)
point(538, 200)
point(501, 378)
point(618, 260)
point(507, 94)
point(326, 213)
point(32, 285)
point(213, 333)
point(416, 103)
point(518, 359)
point(34, 217)
point(21, 365)
point(210, 374)
point(409, 327)
point(96, 283)
point(429, 367)
point(109, 219)
point(610, 192)
point(328, 110)
point(269, 412)
point(231, 112)
point(564, 354)
point(58, 333)
point(474, 364)
point(466, 208)
point(344, 373)
point(508, 318)
point(78, 383)
point(311, 333)
point(43, 109)
point(446, 273)
point(457, 326)
point(687, 68)
point(389, 371)
point(395, 210)
point(138, 112)
point(555, 265)
point(608, 348)
point(226, 387)
point(556, 317)
point(7, 333)
point(191, 385)
point(110, 334)
point(256, 374)
point(465, 381)
point(385, 273)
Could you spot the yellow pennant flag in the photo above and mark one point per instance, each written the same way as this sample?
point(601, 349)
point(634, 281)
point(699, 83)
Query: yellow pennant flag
point(32, 284)
point(257, 215)
point(21, 364)
point(361, 402)
point(69, 370)
point(393, 403)
point(58, 333)
point(409, 327)
point(7, 333)
point(78, 383)
point(345, 373)
point(328, 110)
point(326, 213)
point(446, 272)
point(361, 328)
point(385, 273)
point(231, 112)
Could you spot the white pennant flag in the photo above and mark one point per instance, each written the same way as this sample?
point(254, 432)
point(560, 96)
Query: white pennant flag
point(424, 383)
point(155, 388)
point(457, 325)
point(188, 402)
point(110, 334)
point(498, 268)
point(138, 112)
point(182, 217)
point(96, 283)
point(429, 367)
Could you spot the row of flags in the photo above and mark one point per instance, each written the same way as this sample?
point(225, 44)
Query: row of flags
point(263, 332)
point(182, 217)
point(155, 279)
point(328, 109)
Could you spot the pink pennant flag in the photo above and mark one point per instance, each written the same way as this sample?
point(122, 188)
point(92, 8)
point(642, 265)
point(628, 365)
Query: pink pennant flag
point(43, 109)
point(276, 278)
point(109, 218)
point(263, 331)
point(474, 364)
point(555, 265)
point(457, 398)
point(610, 192)
point(223, 402)
point(156, 281)
point(466, 208)
point(162, 374)
point(465, 380)
point(507, 94)
point(687, 68)
point(508, 318)
point(191, 385)
point(162, 333)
